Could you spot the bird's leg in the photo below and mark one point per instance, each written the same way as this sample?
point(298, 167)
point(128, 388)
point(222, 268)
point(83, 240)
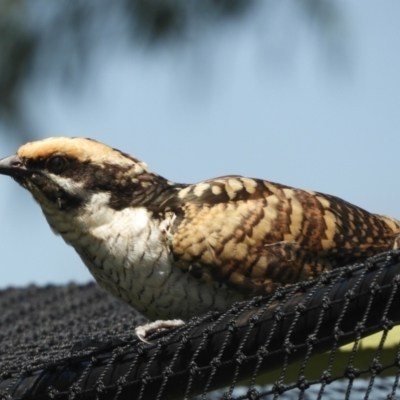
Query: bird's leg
point(160, 325)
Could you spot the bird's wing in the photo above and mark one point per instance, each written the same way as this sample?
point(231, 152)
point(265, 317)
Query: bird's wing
point(254, 235)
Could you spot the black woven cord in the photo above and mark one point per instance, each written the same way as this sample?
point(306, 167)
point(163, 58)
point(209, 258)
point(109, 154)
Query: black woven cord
point(106, 361)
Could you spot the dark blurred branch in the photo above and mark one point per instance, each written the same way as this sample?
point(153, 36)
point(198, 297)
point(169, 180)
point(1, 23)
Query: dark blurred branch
point(41, 36)
point(17, 49)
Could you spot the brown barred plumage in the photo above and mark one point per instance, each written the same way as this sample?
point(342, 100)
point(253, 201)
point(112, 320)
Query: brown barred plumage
point(263, 235)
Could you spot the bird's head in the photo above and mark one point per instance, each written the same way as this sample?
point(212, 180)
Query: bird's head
point(65, 173)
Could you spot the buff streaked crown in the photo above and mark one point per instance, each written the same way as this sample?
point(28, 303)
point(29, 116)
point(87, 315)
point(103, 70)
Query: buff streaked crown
point(79, 149)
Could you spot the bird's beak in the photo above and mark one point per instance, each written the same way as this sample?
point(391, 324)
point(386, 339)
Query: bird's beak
point(12, 166)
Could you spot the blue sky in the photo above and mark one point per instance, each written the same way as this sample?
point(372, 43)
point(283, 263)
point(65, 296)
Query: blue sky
point(225, 106)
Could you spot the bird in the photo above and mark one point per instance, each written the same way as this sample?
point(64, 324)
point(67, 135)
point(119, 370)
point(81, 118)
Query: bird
point(174, 251)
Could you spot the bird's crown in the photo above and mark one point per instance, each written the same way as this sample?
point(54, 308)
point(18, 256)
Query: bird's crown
point(76, 149)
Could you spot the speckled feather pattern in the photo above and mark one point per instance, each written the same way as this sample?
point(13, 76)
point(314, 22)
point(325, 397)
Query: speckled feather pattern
point(176, 251)
point(255, 235)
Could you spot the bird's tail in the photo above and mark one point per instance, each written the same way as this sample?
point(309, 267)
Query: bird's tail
point(394, 225)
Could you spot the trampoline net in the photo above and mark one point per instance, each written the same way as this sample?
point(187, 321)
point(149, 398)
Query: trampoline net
point(76, 341)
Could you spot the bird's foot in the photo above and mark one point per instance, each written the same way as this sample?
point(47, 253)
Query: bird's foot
point(160, 325)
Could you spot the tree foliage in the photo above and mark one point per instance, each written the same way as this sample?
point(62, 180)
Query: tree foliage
point(30, 30)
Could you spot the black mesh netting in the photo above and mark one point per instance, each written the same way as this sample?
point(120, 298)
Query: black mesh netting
point(78, 342)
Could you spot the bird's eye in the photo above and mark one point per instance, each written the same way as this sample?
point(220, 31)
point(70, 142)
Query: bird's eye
point(57, 164)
